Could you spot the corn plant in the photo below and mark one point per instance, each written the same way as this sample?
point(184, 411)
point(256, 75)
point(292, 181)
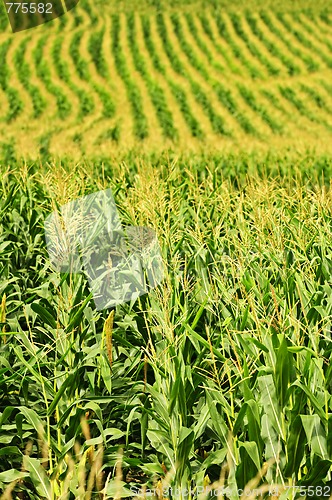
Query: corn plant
point(222, 374)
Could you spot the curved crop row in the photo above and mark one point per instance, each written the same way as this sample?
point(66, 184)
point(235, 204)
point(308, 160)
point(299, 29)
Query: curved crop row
point(250, 99)
point(291, 66)
point(134, 95)
point(176, 89)
point(43, 72)
point(217, 122)
point(201, 44)
point(95, 48)
point(304, 40)
point(82, 69)
point(256, 53)
point(91, 13)
point(275, 101)
point(205, 23)
point(155, 91)
point(224, 96)
point(313, 32)
point(253, 71)
point(316, 97)
point(14, 101)
point(23, 71)
point(86, 101)
point(289, 94)
point(310, 63)
point(324, 15)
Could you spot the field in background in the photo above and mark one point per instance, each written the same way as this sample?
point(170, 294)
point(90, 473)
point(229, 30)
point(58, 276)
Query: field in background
point(100, 81)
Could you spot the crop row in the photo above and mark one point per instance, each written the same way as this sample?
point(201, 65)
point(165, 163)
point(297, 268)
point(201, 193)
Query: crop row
point(290, 64)
point(206, 26)
point(24, 74)
point(256, 53)
point(304, 40)
point(62, 68)
point(311, 64)
point(224, 33)
point(290, 94)
point(217, 122)
point(82, 69)
point(177, 91)
point(156, 93)
point(258, 108)
point(201, 44)
point(43, 72)
point(134, 95)
point(224, 95)
point(95, 48)
point(15, 103)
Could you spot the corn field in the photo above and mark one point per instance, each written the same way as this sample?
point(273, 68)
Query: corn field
point(212, 126)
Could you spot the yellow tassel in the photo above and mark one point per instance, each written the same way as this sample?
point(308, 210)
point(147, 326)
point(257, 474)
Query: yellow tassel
point(108, 330)
point(3, 315)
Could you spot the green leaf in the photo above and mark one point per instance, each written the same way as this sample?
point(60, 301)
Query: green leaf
point(317, 474)
point(38, 477)
point(78, 315)
point(118, 489)
point(12, 475)
point(313, 400)
point(33, 419)
point(283, 372)
point(252, 450)
point(10, 450)
point(316, 437)
point(44, 314)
